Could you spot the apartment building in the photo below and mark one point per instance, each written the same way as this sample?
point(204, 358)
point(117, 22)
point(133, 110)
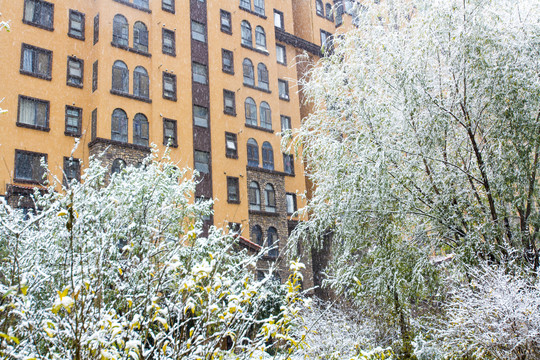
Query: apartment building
point(215, 80)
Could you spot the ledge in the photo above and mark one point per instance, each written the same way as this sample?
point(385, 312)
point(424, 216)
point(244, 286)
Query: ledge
point(98, 140)
point(259, 128)
point(76, 37)
point(38, 25)
point(257, 88)
point(29, 73)
point(67, 133)
point(263, 213)
point(124, 2)
point(132, 50)
point(78, 86)
point(252, 12)
point(34, 127)
point(264, 52)
point(259, 169)
point(129, 96)
point(298, 42)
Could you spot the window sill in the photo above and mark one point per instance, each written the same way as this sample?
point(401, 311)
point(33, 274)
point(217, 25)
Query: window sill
point(169, 98)
point(257, 88)
point(263, 213)
point(123, 2)
point(173, 54)
point(264, 52)
point(253, 12)
point(259, 128)
point(260, 169)
point(287, 98)
point(233, 201)
point(133, 50)
point(228, 72)
point(129, 96)
point(231, 156)
point(67, 133)
point(171, 145)
point(226, 31)
point(231, 113)
point(27, 181)
point(43, 77)
point(282, 63)
point(82, 38)
point(127, 145)
point(78, 86)
point(34, 127)
point(172, 11)
point(38, 25)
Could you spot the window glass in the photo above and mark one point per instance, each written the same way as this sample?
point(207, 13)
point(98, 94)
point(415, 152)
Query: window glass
point(76, 24)
point(40, 13)
point(73, 120)
point(72, 170)
point(270, 198)
point(232, 189)
point(94, 76)
point(229, 104)
point(169, 132)
point(227, 61)
point(141, 3)
point(283, 87)
point(278, 19)
point(266, 115)
point(119, 126)
point(260, 38)
point(245, 4)
point(169, 42)
point(198, 31)
point(231, 150)
point(257, 238)
point(33, 113)
point(141, 82)
point(268, 156)
point(169, 86)
point(288, 164)
point(247, 38)
point(254, 197)
point(285, 123)
point(202, 161)
point(262, 74)
point(140, 130)
point(249, 72)
point(272, 242)
point(120, 77)
point(200, 73)
point(281, 54)
point(120, 30)
point(28, 166)
point(96, 29)
point(258, 7)
point(36, 61)
point(251, 112)
point(291, 203)
point(140, 37)
point(253, 153)
point(75, 72)
point(168, 5)
point(117, 166)
point(200, 116)
point(225, 21)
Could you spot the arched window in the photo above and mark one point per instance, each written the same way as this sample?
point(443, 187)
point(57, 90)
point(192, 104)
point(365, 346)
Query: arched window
point(249, 72)
point(120, 30)
point(268, 156)
point(140, 37)
point(269, 198)
point(119, 125)
point(247, 37)
point(266, 115)
point(140, 130)
point(120, 77)
point(117, 166)
point(329, 14)
point(254, 196)
point(262, 74)
point(272, 242)
point(253, 153)
point(141, 82)
point(320, 7)
point(260, 38)
point(251, 112)
point(258, 6)
point(257, 235)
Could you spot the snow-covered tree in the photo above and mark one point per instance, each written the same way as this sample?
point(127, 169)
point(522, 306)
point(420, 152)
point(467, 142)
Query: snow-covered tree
point(116, 269)
point(423, 142)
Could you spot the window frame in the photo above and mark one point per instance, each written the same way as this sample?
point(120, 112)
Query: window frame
point(283, 96)
point(172, 8)
point(171, 77)
point(138, 81)
point(266, 119)
point(231, 153)
point(287, 120)
point(260, 34)
point(138, 133)
point(70, 77)
point(169, 50)
point(263, 77)
point(174, 123)
point(198, 77)
point(254, 196)
point(78, 130)
point(245, 26)
point(229, 53)
point(124, 77)
point(247, 69)
point(35, 61)
point(252, 151)
point(267, 152)
point(252, 104)
point(294, 204)
point(121, 34)
point(207, 163)
point(229, 94)
point(83, 24)
point(200, 37)
point(288, 159)
point(96, 29)
point(34, 126)
point(233, 183)
point(258, 9)
point(38, 23)
point(281, 18)
point(122, 134)
point(282, 50)
point(225, 15)
point(34, 179)
point(138, 44)
point(95, 74)
point(270, 201)
point(70, 161)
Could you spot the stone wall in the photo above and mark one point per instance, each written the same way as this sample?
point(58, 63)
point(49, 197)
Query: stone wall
point(109, 150)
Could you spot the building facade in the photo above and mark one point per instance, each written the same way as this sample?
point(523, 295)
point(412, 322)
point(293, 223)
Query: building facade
point(213, 80)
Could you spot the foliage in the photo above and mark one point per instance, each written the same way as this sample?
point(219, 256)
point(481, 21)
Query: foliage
point(116, 268)
point(422, 144)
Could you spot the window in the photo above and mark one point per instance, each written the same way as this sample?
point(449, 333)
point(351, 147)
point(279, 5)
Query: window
point(140, 130)
point(200, 116)
point(253, 153)
point(117, 166)
point(262, 74)
point(291, 203)
point(227, 61)
point(339, 13)
point(288, 164)
point(285, 123)
point(251, 112)
point(320, 8)
point(28, 166)
point(39, 13)
point(281, 54)
point(198, 31)
point(72, 170)
point(247, 38)
point(141, 3)
point(260, 38)
point(233, 192)
point(120, 77)
point(266, 115)
point(94, 125)
point(231, 149)
point(202, 161)
point(75, 69)
point(120, 31)
point(258, 7)
point(283, 87)
point(257, 238)
point(249, 72)
point(254, 197)
point(270, 198)
point(141, 82)
point(76, 24)
point(278, 19)
point(225, 17)
point(140, 37)
point(329, 14)
point(169, 133)
point(73, 121)
point(245, 4)
point(325, 38)
point(94, 76)
point(200, 73)
point(33, 113)
point(272, 241)
point(119, 126)
point(96, 29)
point(36, 62)
point(168, 42)
point(168, 5)
point(169, 86)
point(267, 156)
point(229, 103)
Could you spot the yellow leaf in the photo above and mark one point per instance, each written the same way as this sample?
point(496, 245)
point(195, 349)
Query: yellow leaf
point(49, 332)
point(62, 213)
point(120, 271)
point(24, 290)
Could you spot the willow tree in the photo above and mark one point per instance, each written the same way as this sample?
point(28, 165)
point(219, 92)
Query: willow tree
point(424, 145)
